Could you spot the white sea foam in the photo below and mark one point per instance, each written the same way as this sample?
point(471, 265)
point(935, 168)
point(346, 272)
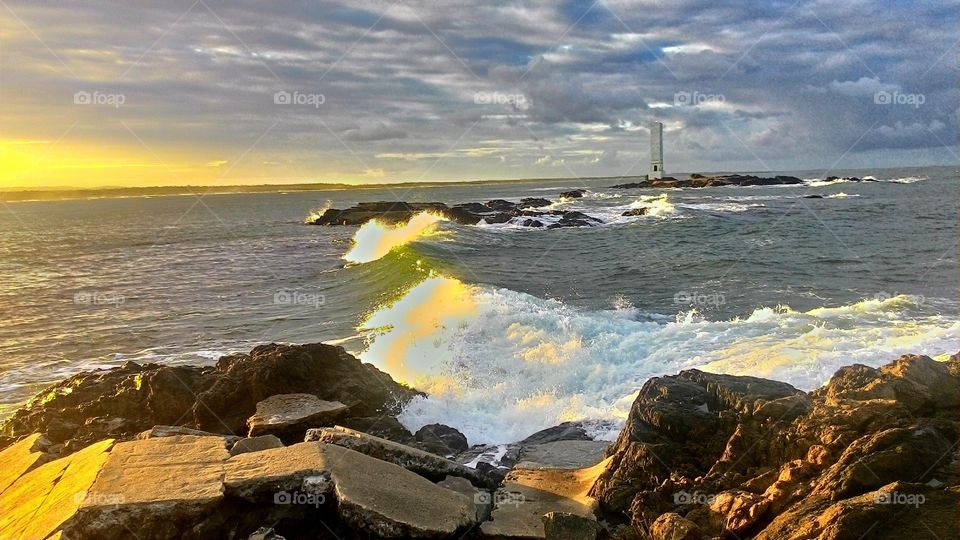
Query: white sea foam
point(656, 205)
point(500, 365)
point(374, 239)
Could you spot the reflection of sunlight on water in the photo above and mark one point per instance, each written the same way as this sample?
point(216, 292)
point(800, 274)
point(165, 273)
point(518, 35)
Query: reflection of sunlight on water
point(409, 347)
point(375, 239)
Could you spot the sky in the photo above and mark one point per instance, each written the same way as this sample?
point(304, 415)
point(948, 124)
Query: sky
point(109, 93)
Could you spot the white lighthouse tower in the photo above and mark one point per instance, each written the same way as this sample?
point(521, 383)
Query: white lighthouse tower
point(656, 151)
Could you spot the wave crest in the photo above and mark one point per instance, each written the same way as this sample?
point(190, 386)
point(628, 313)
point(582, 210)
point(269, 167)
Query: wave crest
point(375, 239)
point(499, 364)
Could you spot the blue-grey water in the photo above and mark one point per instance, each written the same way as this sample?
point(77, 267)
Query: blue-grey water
point(510, 329)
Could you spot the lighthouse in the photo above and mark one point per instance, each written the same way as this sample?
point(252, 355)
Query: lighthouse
point(656, 151)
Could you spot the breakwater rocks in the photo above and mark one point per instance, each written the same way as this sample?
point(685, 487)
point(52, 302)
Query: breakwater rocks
point(302, 442)
point(701, 181)
point(527, 212)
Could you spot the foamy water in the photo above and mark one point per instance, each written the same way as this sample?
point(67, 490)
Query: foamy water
point(509, 331)
point(500, 365)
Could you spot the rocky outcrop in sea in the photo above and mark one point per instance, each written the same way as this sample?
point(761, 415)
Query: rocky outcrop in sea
point(303, 442)
point(527, 212)
point(701, 181)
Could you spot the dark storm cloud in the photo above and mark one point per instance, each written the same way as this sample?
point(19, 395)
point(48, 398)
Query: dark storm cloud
point(472, 89)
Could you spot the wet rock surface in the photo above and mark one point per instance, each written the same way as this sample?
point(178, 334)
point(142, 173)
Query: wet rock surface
point(871, 454)
point(706, 455)
point(525, 213)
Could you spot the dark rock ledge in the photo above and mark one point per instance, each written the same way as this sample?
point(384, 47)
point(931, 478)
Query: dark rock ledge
point(701, 181)
point(159, 452)
point(525, 213)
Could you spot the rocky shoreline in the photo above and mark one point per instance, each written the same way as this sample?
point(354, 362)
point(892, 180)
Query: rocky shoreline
point(532, 211)
point(303, 442)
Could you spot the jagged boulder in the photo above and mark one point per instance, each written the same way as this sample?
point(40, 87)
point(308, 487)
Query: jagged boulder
point(124, 401)
point(706, 455)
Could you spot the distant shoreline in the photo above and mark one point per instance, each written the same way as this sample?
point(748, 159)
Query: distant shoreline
point(60, 194)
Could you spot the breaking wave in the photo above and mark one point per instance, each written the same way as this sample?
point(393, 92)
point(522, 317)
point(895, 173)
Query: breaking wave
point(499, 364)
point(375, 239)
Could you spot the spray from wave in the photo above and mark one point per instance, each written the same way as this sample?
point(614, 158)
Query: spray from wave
point(499, 365)
point(375, 239)
point(318, 213)
point(656, 205)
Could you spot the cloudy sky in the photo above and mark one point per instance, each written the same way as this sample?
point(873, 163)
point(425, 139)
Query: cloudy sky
point(98, 92)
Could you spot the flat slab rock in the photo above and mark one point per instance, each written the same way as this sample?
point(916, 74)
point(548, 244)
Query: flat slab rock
point(153, 483)
point(165, 487)
point(283, 412)
point(423, 463)
point(381, 498)
point(391, 502)
point(38, 502)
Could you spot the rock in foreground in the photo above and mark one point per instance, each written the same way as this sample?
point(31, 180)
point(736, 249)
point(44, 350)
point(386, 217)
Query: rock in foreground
point(871, 454)
point(121, 402)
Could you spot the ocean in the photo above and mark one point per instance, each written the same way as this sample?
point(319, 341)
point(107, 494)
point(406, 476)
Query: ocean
point(509, 329)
